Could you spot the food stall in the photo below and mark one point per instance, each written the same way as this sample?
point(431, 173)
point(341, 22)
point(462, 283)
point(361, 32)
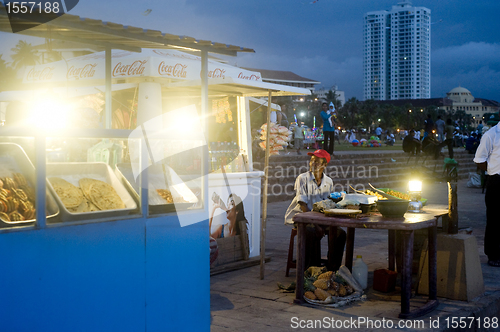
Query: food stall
point(126, 264)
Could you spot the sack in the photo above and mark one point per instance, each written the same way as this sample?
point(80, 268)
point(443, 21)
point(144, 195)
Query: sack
point(474, 180)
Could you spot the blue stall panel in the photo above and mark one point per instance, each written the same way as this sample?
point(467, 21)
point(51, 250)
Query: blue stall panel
point(74, 278)
point(178, 275)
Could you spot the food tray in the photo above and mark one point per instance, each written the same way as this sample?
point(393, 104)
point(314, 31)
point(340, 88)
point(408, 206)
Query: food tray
point(13, 159)
point(361, 198)
point(159, 176)
point(73, 172)
point(385, 190)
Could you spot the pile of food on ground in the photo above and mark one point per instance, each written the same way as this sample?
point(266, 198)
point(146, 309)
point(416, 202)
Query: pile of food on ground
point(330, 288)
point(92, 195)
point(17, 199)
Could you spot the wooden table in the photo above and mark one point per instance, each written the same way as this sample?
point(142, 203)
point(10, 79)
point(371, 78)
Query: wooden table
point(406, 226)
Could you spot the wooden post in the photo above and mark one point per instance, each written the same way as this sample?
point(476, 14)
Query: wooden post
point(264, 198)
point(452, 208)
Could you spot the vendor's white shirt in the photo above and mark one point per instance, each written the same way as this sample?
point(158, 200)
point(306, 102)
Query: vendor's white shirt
point(489, 150)
point(308, 191)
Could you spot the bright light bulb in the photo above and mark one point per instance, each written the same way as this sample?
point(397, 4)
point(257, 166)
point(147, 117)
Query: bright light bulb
point(415, 185)
point(49, 114)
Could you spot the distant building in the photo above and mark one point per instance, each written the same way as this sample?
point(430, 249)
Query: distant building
point(396, 53)
point(322, 94)
point(458, 99)
point(286, 78)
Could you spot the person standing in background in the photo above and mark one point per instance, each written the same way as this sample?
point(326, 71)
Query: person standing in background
point(480, 129)
point(428, 126)
point(378, 132)
point(299, 137)
point(449, 129)
point(328, 127)
point(440, 129)
point(488, 159)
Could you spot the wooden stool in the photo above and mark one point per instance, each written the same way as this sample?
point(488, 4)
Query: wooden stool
point(291, 264)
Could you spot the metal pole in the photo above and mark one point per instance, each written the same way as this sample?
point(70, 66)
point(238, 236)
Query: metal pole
point(264, 199)
point(40, 182)
point(107, 113)
point(204, 123)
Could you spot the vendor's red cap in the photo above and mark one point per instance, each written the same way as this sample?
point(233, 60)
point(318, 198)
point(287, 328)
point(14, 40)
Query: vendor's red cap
point(320, 154)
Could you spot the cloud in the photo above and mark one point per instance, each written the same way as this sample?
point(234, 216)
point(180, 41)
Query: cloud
point(346, 74)
point(474, 65)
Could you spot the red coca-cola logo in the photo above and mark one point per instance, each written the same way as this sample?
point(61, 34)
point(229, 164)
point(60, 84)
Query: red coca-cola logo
point(40, 75)
point(216, 73)
point(86, 71)
point(177, 70)
point(136, 68)
point(251, 77)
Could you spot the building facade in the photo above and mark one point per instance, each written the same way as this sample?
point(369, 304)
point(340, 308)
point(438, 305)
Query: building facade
point(396, 53)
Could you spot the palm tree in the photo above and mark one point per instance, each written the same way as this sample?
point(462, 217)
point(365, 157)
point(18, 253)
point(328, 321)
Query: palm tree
point(24, 55)
point(7, 74)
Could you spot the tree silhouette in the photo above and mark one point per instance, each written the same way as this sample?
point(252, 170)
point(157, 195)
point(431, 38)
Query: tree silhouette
point(24, 55)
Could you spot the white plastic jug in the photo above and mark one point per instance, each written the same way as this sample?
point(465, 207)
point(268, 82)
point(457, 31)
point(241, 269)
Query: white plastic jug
point(360, 272)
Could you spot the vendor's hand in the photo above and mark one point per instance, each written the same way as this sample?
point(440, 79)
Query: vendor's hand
point(319, 231)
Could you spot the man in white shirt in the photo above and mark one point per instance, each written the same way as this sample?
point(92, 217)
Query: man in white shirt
point(488, 159)
point(311, 187)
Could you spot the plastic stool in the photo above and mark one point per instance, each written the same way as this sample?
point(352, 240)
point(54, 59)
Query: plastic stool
point(291, 264)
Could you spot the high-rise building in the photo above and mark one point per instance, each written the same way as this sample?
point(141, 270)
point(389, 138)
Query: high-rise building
point(397, 53)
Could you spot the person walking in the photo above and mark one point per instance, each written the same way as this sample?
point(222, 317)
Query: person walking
point(299, 137)
point(328, 127)
point(440, 124)
point(449, 129)
point(487, 158)
point(378, 132)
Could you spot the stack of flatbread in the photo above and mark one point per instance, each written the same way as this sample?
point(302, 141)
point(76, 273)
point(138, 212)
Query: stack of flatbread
point(93, 195)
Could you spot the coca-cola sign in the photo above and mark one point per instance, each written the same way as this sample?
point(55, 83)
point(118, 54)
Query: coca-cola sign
point(136, 68)
point(86, 71)
point(216, 73)
point(44, 74)
point(177, 70)
point(250, 77)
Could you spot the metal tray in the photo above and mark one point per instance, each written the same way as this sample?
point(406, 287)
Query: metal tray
point(13, 159)
point(158, 178)
point(72, 172)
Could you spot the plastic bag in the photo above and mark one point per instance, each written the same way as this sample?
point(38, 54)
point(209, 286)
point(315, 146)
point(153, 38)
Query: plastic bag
point(474, 180)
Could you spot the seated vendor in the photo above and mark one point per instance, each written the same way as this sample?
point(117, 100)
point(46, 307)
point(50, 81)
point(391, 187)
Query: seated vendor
point(311, 187)
point(411, 144)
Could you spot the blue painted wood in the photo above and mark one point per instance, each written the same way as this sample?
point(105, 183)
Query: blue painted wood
point(178, 276)
point(129, 275)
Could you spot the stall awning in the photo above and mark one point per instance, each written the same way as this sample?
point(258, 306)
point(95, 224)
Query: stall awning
point(233, 86)
point(108, 34)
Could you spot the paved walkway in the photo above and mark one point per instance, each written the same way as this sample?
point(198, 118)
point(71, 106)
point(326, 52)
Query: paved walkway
point(240, 301)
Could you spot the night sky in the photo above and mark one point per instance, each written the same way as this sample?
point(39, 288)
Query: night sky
point(319, 40)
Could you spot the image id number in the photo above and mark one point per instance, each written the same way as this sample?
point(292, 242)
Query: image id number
point(37, 7)
point(468, 322)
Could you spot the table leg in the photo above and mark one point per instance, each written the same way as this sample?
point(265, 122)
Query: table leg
point(301, 255)
point(349, 247)
point(407, 253)
point(432, 240)
point(392, 250)
point(406, 289)
point(332, 234)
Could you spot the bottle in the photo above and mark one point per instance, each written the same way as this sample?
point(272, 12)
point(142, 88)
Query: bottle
point(217, 200)
point(360, 272)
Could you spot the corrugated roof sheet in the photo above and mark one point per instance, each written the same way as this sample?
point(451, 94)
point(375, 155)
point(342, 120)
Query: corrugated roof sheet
point(279, 75)
point(117, 36)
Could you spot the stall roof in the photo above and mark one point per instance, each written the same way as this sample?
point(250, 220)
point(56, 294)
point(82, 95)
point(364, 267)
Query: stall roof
point(107, 34)
point(234, 86)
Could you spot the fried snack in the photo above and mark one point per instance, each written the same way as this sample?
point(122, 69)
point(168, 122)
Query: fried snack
point(332, 292)
point(70, 195)
point(321, 294)
point(29, 214)
point(326, 275)
point(321, 283)
point(4, 216)
point(166, 195)
point(12, 204)
point(103, 195)
point(342, 291)
point(310, 295)
point(20, 180)
point(19, 193)
point(16, 216)
point(9, 183)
